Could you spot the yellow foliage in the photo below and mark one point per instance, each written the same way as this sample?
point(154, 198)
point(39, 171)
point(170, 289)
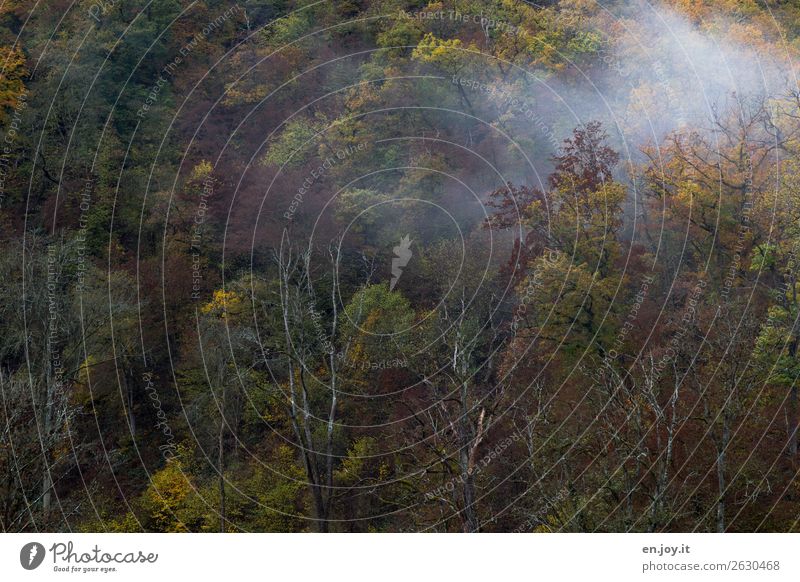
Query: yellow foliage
point(169, 488)
point(445, 53)
point(12, 71)
point(84, 370)
point(223, 303)
point(202, 171)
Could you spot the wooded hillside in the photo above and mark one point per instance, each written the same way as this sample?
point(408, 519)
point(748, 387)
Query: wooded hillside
point(386, 265)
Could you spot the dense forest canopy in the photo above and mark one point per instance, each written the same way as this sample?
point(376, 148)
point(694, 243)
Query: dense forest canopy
point(389, 265)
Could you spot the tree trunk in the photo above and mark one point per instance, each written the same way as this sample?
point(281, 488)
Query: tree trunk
point(47, 427)
point(129, 403)
point(723, 447)
point(471, 524)
point(793, 424)
point(467, 449)
point(221, 468)
point(793, 413)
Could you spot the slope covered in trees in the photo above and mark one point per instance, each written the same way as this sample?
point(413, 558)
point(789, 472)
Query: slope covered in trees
point(387, 265)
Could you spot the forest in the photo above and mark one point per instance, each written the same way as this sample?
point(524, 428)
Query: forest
point(399, 266)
